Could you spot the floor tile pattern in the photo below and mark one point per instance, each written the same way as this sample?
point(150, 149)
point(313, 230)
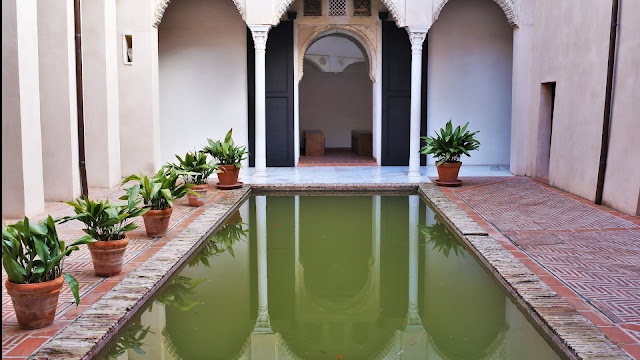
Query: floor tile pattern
point(337, 158)
point(590, 254)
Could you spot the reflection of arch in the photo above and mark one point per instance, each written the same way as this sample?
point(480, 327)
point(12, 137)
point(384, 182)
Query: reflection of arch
point(162, 7)
point(509, 7)
point(359, 39)
point(282, 5)
point(496, 350)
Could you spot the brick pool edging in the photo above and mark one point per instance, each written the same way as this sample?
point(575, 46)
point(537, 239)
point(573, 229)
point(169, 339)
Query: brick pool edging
point(90, 332)
point(562, 324)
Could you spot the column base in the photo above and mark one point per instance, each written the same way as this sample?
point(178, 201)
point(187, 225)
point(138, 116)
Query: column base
point(414, 173)
point(261, 173)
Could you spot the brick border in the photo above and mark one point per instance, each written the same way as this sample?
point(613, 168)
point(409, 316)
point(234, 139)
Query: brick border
point(560, 323)
point(90, 332)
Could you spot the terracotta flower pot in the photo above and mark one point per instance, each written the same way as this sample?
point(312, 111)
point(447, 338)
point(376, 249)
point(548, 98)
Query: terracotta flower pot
point(156, 222)
point(195, 200)
point(35, 304)
point(108, 256)
point(229, 175)
point(448, 172)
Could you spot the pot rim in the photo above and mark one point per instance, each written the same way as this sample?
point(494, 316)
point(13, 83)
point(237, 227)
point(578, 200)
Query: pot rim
point(42, 287)
point(111, 243)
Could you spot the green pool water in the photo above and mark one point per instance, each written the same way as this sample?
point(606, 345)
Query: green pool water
point(342, 277)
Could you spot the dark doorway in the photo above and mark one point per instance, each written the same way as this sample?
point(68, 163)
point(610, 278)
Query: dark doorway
point(279, 95)
point(396, 95)
point(545, 126)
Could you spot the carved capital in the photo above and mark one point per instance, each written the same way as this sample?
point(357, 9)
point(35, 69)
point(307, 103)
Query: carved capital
point(413, 319)
point(263, 323)
point(259, 34)
point(417, 36)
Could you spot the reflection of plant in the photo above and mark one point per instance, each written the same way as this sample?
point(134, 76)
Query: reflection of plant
point(443, 241)
point(222, 240)
point(174, 294)
point(229, 233)
point(130, 339)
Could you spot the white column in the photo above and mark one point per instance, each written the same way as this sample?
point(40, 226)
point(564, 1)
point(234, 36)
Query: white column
point(263, 323)
point(58, 105)
point(417, 36)
point(259, 33)
point(100, 81)
point(22, 185)
point(413, 318)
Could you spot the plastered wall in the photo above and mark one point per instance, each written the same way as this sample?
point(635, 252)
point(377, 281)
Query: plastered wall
point(469, 76)
point(203, 81)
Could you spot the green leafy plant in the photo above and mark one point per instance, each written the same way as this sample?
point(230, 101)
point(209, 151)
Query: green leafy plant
point(159, 191)
point(441, 238)
point(194, 168)
point(211, 248)
point(174, 294)
point(33, 253)
point(227, 152)
point(106, 221)
point(130, 339)
point(450, 143)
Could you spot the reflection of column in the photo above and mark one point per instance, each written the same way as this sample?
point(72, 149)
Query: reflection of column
point(259, 33)
point(376, 245)
point(417, 36)
point(263, 324)
point(413, 318)
point(296, 262)
point(430, 218)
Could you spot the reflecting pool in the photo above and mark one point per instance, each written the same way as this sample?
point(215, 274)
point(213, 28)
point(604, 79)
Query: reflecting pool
point(341, 277)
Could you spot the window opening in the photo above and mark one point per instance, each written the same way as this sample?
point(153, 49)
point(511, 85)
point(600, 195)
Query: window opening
point(337, 7)
point(361, 7)
point(312, 8)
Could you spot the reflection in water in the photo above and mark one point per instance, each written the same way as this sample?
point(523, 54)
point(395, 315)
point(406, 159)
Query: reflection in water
point(129, 339)
point(326, 277)
point(441, 238)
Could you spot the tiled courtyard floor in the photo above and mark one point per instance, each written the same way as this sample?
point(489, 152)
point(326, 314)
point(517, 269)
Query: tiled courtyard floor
point(18, 343)
point(337, 158)
point(588, 254)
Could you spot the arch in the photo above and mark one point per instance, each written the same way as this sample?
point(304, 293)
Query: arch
point(162, 7)
point(359, 39)
point(510, 8)
point(281, 7)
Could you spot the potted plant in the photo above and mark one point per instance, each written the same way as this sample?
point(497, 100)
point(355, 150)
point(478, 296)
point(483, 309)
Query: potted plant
point(229, 156)
point(33, 258)
point(195, 170)
point(447, 147)
point(108, 224)
point(158, 194)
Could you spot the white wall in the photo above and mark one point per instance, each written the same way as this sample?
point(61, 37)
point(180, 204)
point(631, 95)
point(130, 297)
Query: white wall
point(469, 79)
point(138, 89)
point(336, 103)
point(203, 75)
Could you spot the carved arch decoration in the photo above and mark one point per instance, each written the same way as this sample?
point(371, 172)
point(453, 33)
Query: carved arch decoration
point(510, 8)
point(162, 7)
point(281, 6)
point(361, 40)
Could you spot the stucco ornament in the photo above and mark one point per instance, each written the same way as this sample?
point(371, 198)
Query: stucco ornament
point(417, 40)
point(510, 8)
point(361, 35)
point(259, 33)
point(162, 6)
point(281, 6)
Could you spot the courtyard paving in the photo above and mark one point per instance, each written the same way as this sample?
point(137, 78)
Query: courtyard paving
point(589, 254)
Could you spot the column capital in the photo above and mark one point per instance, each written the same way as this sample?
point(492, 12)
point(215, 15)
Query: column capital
point(259, 34)
point(413, 322)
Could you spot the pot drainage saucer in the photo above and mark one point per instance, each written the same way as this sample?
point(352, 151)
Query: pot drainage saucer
point(448, 183)
point(229, 187)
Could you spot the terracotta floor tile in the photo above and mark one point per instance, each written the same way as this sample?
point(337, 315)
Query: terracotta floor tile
point(27, 346)
point(617, 335)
